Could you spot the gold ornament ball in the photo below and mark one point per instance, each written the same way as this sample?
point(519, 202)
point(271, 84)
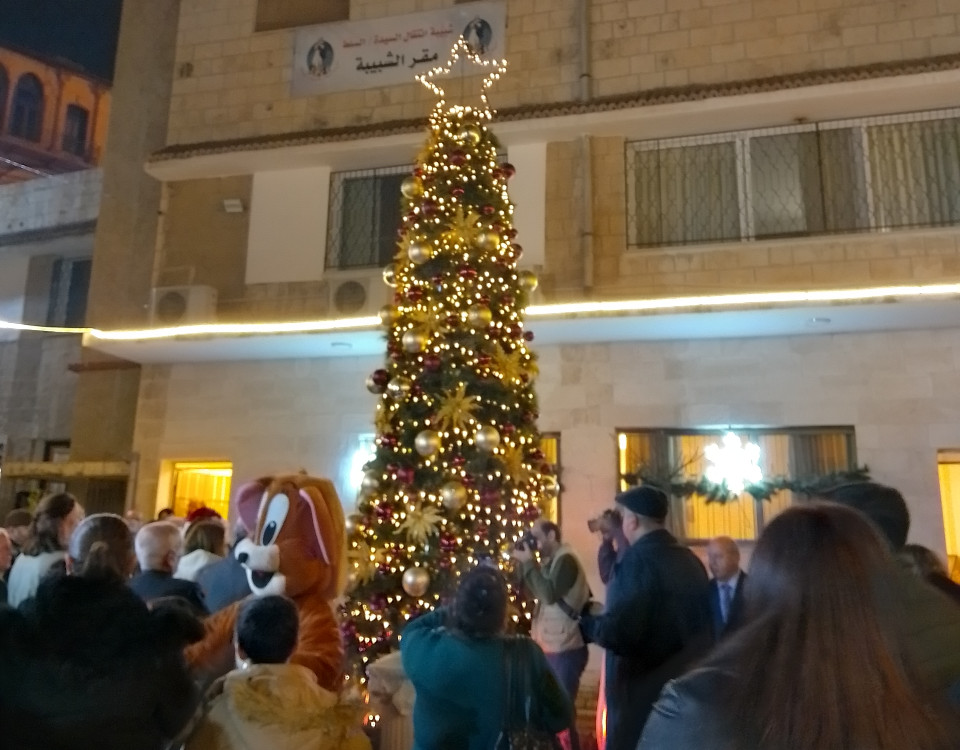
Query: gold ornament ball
point(387, 315)
point(398, 387)
point(411, 188)
point(528, 280)
point(370, 482)
point(487, 438)
point(416, 581)
point(479, 316)
point(352, 523)
point(453, 495)
point(427, 442)
point(470, 134)
point(389, 276)
point(420, 252)
point(414, 341)
point(488, 241)
point(372, 386)
point(551, 487)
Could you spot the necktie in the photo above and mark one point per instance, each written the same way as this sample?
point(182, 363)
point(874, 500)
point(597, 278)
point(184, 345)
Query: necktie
point(726, 597)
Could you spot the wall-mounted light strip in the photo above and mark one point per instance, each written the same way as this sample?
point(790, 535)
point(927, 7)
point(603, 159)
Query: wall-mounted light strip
point(558, 311)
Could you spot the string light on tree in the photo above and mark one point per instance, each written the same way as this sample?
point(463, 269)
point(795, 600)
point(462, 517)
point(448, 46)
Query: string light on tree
point(735, 464)
point(457, 474)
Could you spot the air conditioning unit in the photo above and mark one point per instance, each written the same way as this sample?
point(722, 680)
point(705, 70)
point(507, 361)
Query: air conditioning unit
point(357, 295)
point(183, 305)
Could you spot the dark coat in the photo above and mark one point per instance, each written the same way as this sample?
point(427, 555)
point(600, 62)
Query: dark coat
point(718, 627)
point(461, 686)
point(223, 583)
point(656, 623)
point(686, 715)
point(152, 585)
point(85, 665)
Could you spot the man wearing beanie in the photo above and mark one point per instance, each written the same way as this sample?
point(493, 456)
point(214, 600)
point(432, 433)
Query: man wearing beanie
point(656, 620)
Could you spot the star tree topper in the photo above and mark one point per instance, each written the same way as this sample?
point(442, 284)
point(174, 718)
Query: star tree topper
point(735, 464)
point(461, 49)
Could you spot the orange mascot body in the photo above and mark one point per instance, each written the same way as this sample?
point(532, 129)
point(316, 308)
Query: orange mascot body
point(297, 550)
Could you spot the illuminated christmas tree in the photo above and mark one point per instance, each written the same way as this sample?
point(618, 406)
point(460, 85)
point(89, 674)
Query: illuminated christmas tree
point(458, 472)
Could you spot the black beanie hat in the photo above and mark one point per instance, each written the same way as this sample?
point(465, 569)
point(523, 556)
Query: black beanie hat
point(645, 500)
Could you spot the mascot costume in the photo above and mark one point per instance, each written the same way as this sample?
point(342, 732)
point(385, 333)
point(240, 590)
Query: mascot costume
point(297, 549)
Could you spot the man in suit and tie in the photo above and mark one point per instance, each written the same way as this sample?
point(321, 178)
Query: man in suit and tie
point(726, 587)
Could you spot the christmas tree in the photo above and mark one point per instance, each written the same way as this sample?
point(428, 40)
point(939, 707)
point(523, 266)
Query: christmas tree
point(458, 472)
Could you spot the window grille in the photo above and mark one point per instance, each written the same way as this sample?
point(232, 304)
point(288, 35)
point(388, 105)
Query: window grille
point(795, 452)
point(873, 174)
point(365, 212)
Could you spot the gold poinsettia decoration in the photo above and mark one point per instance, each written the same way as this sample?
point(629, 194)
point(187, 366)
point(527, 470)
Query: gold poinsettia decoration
point(456, 411)
point(427, 151)
point(381, 419)
point(421, 523)
point(463, 227)
point(517, 469)
point(364, 561)
point(428, 322)
point(512, 365)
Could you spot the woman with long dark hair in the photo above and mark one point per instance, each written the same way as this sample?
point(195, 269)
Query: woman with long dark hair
point(46, 549)
point(456, 660)
point(85, 664)
point(816, 666)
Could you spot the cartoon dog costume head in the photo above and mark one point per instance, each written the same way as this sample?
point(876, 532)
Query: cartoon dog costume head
point(297, 544)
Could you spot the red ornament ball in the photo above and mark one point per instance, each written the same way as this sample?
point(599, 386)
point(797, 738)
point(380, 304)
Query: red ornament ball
point(405, 475)
point(528, 335)
point(384, 512)
point(508, 170)
point(483, 360)
point(508, 429)
point(431, 362)
point(516, 251)
point(457, 192)
point(466, 272)
point(511, 233)
point(457, 157)
point(468, 481)
point(489, 496)
point(452, 320)
point(418, 171)
point(381, 377)
point(415, 294)
point(458, 461)
point(536, 454)
point(508, 299)
point(487, 209)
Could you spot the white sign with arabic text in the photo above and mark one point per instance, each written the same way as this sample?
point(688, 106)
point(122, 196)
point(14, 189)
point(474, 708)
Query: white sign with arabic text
point(390, 51)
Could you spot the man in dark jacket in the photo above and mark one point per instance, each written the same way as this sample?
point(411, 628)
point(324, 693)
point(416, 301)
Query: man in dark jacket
point(158, 546)
point(225, 581)
point(928, 620)
point(726, 586)
point(656, 620)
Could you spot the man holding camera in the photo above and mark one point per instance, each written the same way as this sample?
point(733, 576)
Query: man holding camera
point(560, 586)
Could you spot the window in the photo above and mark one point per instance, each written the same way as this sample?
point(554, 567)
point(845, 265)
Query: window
point(195, 484)
point(69, 285)
point(75, 130)
point(4, 91)
point(286, 14)
point(948, 466)
point(872, 174)
point(550, 445)
point(798, 453)
point(364, 217)
point(26, 112)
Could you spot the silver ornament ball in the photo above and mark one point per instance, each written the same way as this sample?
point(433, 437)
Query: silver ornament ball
point(420, 252)
point(469, 134)
point(398, 387)
point(389, 276)
point(488, 241)
point(551, 487)
point(487, 438)
point(387, 315)
point(370, 482)
point(528, 281)
point(411, 187)
point(427, 443)
point(479, 316)
point(414, 341)
point(352, 523)
point(453, 495)
point(416, 581)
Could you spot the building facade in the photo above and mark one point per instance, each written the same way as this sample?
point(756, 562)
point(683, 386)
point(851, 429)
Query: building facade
point(672, 153)
point(53, 116)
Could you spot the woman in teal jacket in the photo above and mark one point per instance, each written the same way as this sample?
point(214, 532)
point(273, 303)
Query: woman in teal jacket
point(455, 660)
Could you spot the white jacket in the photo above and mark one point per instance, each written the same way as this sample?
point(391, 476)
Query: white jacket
point(193, 562)
point(26, 574)
point(276, 707)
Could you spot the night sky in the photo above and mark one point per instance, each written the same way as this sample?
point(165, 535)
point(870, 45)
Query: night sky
point(81, 31)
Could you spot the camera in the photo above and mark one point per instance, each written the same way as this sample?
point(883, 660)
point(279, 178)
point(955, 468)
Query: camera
point(606, 522)
point(527, 541)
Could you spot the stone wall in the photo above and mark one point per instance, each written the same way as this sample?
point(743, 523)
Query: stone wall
point(897, 389)
point(231, 82)
point(50, 203)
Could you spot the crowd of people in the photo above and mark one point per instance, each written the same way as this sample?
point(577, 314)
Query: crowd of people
point(842, 636)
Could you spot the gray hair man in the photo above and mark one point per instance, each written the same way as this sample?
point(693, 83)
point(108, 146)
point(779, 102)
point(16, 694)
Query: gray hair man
point(158, 546)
